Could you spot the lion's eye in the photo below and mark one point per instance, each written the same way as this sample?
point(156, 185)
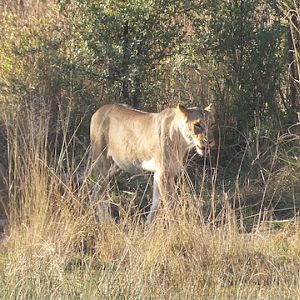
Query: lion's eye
point(198, 127)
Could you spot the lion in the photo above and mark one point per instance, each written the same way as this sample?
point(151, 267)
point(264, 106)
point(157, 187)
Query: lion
point(124, 138)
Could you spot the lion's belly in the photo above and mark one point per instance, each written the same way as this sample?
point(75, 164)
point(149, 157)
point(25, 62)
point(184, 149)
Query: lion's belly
point(128, 166)
point(135, 165)
point(149, 165)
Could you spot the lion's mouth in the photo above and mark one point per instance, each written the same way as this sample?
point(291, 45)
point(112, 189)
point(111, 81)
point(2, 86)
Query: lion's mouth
point(202, 150)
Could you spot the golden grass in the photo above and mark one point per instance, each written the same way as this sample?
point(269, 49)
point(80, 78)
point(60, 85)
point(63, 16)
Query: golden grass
point(182, 260)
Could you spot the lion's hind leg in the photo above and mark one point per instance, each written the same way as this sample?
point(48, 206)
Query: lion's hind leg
point(103, 169)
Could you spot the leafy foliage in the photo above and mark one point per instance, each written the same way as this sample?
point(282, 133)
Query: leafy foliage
point(123, 43)
point(244, 39)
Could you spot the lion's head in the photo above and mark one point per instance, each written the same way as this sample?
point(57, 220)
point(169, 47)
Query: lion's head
point(198, 127)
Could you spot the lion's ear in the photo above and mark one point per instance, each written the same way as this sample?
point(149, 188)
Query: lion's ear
point(210, 108)
point(181, 110)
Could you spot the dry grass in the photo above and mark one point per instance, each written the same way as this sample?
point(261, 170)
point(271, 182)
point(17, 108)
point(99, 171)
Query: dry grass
point(54, 248)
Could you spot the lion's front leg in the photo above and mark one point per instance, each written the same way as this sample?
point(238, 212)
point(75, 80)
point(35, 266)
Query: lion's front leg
point(155, 198)
point(163, 189)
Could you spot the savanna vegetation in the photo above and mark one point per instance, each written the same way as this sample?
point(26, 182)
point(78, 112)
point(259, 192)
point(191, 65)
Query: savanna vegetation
point(234, 233)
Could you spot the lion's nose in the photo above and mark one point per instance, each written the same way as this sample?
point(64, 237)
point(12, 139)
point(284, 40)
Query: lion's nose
point(210, 143)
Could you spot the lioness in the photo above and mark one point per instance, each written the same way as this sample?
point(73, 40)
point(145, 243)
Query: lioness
point(132, 140)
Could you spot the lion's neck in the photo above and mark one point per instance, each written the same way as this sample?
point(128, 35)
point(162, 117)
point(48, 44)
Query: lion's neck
point(180, 139)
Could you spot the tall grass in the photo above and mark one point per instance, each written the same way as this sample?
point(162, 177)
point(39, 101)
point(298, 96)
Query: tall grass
point(53, 246)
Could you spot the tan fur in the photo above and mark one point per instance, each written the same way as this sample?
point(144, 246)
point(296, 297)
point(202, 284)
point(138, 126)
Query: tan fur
point(132, 140)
